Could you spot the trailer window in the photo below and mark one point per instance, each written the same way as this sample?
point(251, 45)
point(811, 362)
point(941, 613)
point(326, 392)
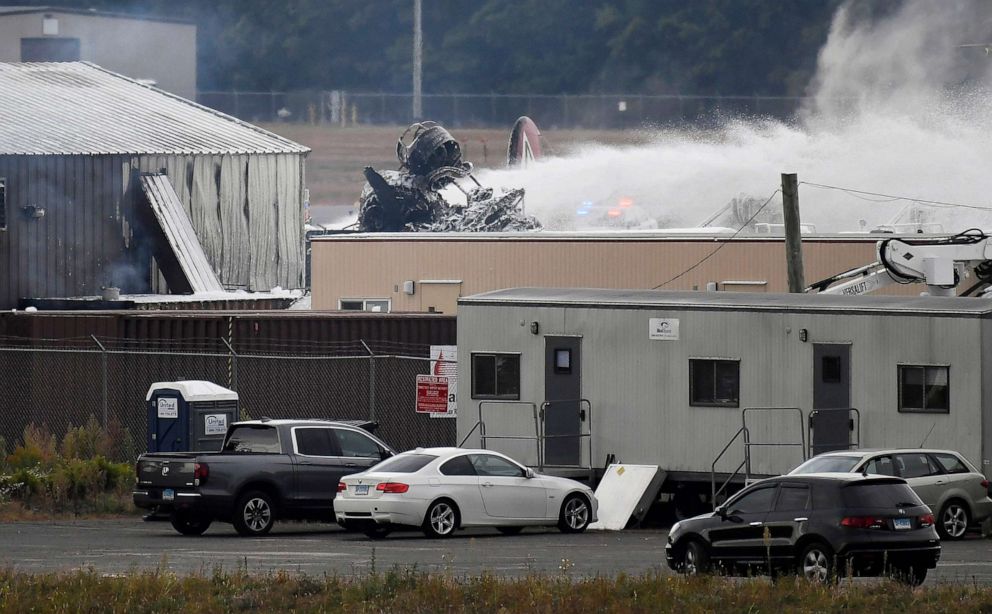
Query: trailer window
point(714, 383)
point(496, 376)
point(924, 389)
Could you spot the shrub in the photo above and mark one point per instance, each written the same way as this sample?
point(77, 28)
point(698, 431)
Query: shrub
point(87, 441)
point(75, 476)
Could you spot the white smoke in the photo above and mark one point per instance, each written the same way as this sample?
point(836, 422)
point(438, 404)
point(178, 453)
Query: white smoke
point(900, 105)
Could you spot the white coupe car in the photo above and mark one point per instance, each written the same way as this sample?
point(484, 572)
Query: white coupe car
point(443, 489)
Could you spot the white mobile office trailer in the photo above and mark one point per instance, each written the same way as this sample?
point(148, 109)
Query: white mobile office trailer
point(569, 379)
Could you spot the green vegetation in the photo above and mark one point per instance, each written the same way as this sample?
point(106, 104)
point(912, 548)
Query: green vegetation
point(708, 47)
point(43, 477)
point(411, 591)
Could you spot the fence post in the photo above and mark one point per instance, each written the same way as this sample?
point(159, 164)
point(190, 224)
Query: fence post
point(371, 379)
point(232, 361)
point(103, 360)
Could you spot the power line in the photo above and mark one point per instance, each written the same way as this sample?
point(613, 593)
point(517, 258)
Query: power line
point(891, 197)
point(722, 245)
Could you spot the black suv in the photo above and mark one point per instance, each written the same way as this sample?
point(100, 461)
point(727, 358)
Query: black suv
point(819, 525)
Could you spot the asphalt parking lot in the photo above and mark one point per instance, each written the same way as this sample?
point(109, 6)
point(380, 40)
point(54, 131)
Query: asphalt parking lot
point(120, 546)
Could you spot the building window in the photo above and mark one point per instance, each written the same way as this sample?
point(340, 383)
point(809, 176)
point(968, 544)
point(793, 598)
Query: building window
point(364, 304)
point(3, 204)
point(714, 383)
point(924, 389)
point(563, 361)
point(496, 376)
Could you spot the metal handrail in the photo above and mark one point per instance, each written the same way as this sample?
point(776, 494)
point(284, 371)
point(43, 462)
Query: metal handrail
point(714, 491)
point(474, 427)
point(747, 435)
point(588, 434)
point(537, 429)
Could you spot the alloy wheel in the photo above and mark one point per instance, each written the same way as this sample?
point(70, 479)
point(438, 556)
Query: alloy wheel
point(576, 513)
point(442, 518)
point(257, 514)
point(955, 521)
point(816, 566)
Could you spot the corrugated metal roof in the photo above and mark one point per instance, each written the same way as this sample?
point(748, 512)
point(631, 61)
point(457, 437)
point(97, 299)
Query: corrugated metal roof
point(80, 108)
point(20, 10)
point(736, 301)
point(179, 233)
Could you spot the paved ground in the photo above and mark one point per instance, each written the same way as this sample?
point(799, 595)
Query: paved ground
point(116, 546)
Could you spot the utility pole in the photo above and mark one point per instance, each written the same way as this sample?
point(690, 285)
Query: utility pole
point(418, 60)
point(793, 232)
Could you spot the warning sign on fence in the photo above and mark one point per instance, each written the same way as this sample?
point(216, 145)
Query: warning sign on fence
point(444, 364)
point(432, 394)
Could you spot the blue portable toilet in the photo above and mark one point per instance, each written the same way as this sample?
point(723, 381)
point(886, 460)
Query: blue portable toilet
point(189, 416)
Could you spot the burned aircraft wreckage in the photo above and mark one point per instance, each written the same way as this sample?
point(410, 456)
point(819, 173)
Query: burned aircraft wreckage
point(411, 199)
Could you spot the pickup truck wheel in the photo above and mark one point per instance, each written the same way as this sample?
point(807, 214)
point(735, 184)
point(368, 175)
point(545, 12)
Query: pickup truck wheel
point(254, 514)
point(189, 524)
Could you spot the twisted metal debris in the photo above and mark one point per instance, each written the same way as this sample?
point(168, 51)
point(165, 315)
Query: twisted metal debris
point(410, 199)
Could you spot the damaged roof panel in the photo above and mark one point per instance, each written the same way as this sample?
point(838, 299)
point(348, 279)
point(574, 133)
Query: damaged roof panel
point(182, 252)
point(80, 108)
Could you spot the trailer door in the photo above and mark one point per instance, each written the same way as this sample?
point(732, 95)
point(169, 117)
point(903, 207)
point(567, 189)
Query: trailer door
point(562, 391)
point(831, 390)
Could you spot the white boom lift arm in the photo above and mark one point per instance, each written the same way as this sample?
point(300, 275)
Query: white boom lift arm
point(942, 264)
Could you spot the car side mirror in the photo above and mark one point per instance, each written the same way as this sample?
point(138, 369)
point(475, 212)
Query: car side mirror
point(529, 473)
point(720, 511)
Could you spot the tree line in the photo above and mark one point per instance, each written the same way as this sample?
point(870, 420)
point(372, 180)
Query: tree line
point(702, 47)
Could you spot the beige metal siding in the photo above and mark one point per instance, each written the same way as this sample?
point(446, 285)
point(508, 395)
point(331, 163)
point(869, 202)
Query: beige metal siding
point(373, 265)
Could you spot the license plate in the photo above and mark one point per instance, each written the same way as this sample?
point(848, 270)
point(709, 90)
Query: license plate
point(903, 523)
point(168, 494)
point(362, 489)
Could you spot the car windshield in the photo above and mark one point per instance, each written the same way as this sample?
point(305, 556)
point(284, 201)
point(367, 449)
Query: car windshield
point(404, 463)
point(828, 464)
point(873, 494)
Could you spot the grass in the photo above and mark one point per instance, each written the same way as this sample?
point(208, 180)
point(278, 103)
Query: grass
point(413, 591)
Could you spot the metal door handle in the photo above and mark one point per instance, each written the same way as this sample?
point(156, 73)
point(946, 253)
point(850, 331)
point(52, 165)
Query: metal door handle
point(940, 481)
point(303, 462)
point(350, 465)
point(487, 484)
point(755, 524)
point(802, 519)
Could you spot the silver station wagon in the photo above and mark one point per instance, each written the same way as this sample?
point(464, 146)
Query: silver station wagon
point(950, 485)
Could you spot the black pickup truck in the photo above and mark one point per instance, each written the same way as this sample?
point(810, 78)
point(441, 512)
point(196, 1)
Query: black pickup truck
point(266, 470)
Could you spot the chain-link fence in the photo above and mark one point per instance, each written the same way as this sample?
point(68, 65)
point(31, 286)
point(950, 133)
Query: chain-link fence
point(590, 111)
point(65, 384)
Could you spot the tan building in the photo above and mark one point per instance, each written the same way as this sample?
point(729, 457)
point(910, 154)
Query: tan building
point(162, 51)
point(428, 272)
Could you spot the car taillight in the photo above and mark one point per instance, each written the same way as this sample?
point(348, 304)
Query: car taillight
point(200, 473)
point(863, 522)
point(392, 487)
point(985, 484)
point(342, 487)
point(926, 520)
